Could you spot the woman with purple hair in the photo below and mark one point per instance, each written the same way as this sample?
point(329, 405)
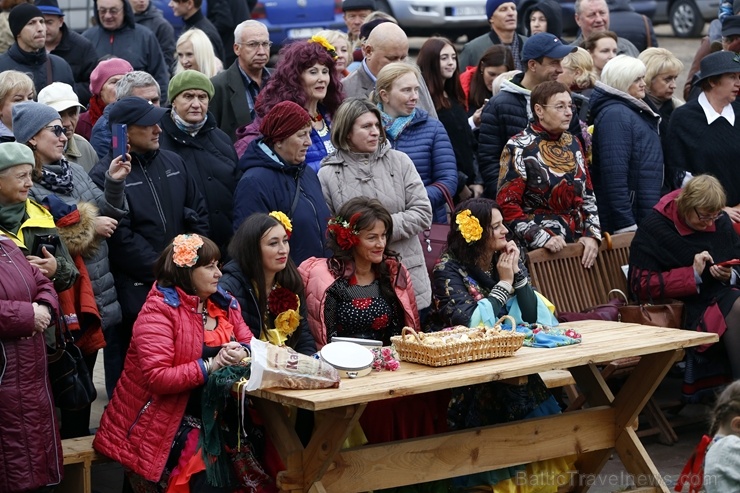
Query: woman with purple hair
point(306, 76)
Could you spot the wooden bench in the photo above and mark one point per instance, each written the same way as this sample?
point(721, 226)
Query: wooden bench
point(561, 278)
point(79, 457)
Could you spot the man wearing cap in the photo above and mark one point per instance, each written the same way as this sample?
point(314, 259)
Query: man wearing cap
point(117, 34)
point(148, 15)
point(163, 201)
point(355, 12)
point(63, 99)
point(190, 13)
point(237, 87)
point(502, 16)
point(65, 43)
point(593, 16)
point(509, 112)
point(704, 133)
point(386, 43)
point(28, 53)
point(730, 41)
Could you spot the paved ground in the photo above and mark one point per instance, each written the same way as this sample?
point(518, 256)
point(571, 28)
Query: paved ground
point(668, 459)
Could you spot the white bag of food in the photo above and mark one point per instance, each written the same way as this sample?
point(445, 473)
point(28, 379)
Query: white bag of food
point(274, 366)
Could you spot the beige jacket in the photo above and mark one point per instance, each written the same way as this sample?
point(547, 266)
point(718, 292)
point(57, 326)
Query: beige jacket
point(389, 176)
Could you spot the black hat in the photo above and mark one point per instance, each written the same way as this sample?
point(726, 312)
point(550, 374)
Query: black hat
point(721, 62)
point(49, 7)
point(731, 25)
point(132, 110)
point(367, 27)
point(358, 5)
point(20, 15)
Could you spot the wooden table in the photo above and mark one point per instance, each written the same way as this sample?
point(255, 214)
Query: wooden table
point(592, 433)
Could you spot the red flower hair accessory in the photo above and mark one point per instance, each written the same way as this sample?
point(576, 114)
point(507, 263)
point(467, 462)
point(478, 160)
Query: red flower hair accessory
point(345, 232)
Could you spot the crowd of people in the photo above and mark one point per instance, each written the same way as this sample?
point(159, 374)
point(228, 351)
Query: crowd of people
point(177, 198)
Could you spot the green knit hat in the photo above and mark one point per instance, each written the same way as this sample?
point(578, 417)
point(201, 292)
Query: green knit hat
point(13, 154)
point(189, 79)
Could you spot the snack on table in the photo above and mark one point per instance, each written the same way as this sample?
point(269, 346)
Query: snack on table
point(274, 366)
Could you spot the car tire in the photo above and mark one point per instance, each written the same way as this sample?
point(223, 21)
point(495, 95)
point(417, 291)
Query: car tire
point(686, 19)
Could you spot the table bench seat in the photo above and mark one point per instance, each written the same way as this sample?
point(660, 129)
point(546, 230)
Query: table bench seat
point(79, 457)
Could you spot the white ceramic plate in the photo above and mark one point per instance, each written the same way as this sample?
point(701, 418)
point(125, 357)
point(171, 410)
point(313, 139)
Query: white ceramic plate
point(362, 342)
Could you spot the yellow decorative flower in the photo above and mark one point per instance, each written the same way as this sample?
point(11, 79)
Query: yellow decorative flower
point(185, 250)
point(285, 324)
point(280, 217)
point(323, 42)
point(469, 226)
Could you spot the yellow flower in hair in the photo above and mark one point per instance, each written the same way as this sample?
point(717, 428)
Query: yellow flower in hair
point(280, 217)
point(326, 44)
point(469, 226)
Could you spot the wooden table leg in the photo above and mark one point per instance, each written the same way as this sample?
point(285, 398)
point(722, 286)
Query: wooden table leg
point(305, 467)
point(628, 403)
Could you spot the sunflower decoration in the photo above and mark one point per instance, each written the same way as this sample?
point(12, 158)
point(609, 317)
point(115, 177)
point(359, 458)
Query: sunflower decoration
point(283, 304)
point(280, 217)
point(469, 226)
point(326, 44)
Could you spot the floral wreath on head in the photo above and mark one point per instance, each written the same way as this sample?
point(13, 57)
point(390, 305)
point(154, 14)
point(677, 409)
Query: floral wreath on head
point(185, 250)
point(469, 226)
point(280, 217)
point(326, 45)
point(345, 232)
point(284, 305)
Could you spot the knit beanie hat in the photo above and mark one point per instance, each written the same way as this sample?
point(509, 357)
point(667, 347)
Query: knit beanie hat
point(105, 70)
point(29, 118)
point(20, 15)
point(492, 5)
point(12, 154)
point(283, 120)
point(190, 79)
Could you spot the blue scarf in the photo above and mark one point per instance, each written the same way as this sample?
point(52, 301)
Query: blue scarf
point(394, 127)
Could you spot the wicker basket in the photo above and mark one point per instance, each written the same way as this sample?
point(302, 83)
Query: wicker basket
point(411, 348)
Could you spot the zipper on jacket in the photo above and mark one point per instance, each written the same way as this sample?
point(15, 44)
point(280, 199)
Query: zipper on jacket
point(138, 417)
point(156, 197)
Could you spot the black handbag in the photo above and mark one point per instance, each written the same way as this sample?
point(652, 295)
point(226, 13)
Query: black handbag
point(71, 382)
point(434, 239)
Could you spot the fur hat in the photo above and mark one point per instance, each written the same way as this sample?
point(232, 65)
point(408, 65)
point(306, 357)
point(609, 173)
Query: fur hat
point(283, 120)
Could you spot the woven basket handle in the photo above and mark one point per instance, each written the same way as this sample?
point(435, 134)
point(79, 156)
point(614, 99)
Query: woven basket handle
point(409, 330)
point(511, 320)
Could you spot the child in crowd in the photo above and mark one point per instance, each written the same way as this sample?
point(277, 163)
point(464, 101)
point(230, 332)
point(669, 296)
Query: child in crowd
point(722, 464)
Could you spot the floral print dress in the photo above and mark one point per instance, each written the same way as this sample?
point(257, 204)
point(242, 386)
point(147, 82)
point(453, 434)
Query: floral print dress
point(545, 188)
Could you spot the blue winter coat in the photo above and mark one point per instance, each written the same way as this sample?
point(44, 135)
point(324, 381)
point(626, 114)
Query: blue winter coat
point(425, 141)
point(627, 169)
point(268, 184)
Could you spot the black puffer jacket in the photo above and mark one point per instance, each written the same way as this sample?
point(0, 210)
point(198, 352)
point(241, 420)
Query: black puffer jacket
point(34, 65)
point(153, 18)
point(80, 54)
point(235, 282)
point(211, 160)
point(163, 202)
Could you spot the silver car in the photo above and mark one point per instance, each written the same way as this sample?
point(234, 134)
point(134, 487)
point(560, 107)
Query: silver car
point(686, 17)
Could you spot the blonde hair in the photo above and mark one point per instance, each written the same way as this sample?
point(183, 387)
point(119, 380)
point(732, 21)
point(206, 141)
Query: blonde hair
point(389, 74)
point(205, 57)
point(580, 60)
point(621, 71)
point(658, 61)
point(13, 80)
point(333, 37)
point(703, 192)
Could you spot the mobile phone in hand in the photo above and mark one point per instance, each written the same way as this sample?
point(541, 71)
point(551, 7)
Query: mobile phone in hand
point(120, 139)
point(729, 263)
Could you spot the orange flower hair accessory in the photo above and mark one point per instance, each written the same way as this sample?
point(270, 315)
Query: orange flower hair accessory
point(280, 217)
point(345, 232)
point(186, 250)
point(326, 45)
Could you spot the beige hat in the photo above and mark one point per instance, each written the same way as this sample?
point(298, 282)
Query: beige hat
point(59, 96)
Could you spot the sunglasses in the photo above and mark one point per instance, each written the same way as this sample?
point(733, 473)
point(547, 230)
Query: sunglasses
point(57, 129)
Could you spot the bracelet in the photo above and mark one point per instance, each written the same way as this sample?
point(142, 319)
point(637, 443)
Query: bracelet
point(507, 286)
point(209, 365)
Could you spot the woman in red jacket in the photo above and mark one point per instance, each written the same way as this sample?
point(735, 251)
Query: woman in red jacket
point(187, 329)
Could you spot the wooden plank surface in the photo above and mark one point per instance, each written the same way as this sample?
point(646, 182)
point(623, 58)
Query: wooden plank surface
point(602, 342)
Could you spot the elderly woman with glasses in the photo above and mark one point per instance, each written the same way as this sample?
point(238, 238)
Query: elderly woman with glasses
point(545, 193)
point(679, 252)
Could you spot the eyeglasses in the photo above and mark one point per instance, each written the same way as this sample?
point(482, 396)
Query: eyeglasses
point(113, 11)
point(704, 217)
point(253, 45)
point(57, 129)
point(561, 108)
